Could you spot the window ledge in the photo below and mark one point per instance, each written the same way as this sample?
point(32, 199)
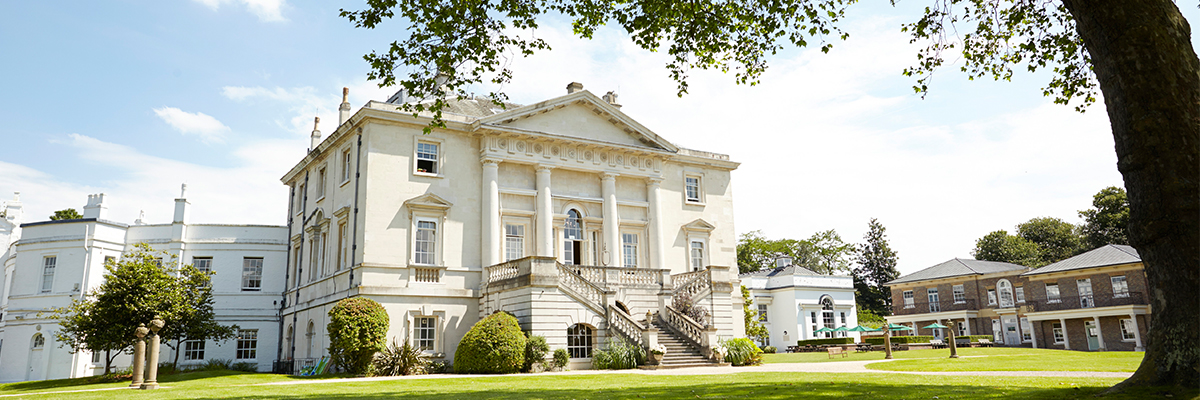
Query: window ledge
point(320, 199)
point(343, 184)
point(694, 203)
point(428, 175)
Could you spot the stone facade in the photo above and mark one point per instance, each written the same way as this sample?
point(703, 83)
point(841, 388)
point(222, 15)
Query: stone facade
point(798, 301)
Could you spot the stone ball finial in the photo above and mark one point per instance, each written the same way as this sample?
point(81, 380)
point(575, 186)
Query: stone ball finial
point(141, 331)
point(156, 324)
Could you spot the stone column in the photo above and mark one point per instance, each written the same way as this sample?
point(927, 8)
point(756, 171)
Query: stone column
point(1033, 332)
point(612, 222)
point(1137, 336)
point(1099, 333)
point(545, 216)
point(152, 368)
point(1066, 338)
point(489, 232)
point(139, 356)
point(967, 324)
point(657, 247)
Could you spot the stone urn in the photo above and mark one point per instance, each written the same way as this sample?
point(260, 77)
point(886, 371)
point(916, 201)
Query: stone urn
point(655, 358)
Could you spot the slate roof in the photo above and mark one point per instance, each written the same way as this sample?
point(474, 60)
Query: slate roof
point(958, 267)
point(1112, 254)
point(477, 107)
point(788, 270)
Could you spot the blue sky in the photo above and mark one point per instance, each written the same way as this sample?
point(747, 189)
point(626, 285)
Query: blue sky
point(134, 98)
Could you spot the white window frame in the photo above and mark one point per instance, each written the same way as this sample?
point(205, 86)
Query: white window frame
point(431, 257)
point(1004, 289)
point(247, 345)
point(1121, 289)
point(629, 249)
point(1059, 334)
point(960, 294)
point(698, 198)
point(581, 339)
point(322, 181)
point(514, 241)
point(991, 294)
point(252, 274)
point(202, 264)
point(934, 298)
point(425, 324)
point(49, 264)
point(343, 245)
point(762, 313)
point(346, 166)
point(438, 163)
point(1019, 292)
point(1126, 334)
point(193, 350)
point(909, 301)
point(1053, 296)
point(694, 256)
point(1026, 330)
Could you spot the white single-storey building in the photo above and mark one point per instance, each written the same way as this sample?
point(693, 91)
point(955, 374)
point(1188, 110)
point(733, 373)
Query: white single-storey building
point(794, 302)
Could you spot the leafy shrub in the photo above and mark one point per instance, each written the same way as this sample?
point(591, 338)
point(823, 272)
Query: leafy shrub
point(244, 367)
point(357, 330)
point(399, 359)
point(742, 351)
point(618, 354)
point(769, 349)
point(689, 308)
point(438, 367)
point(561, 358)
point(535, 351)
point(816, 342)
point(495, 345)
point(903, 339)
point(216, 364)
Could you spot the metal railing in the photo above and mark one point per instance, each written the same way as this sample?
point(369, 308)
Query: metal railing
point(1093, 301)
point(903, 308)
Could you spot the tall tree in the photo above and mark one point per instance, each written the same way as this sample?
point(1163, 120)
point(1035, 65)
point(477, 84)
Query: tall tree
point(823, 253)
point(876, 266)
point(1056, 239)
point(136, 289)
point(832, 254)
point(754, 327)
point(1139, 51)
point(1002, 247)
point(63, 215)
point(197, 321)
point(1107, 222)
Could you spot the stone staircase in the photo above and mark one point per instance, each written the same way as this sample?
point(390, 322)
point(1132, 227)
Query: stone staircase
point(680, 353)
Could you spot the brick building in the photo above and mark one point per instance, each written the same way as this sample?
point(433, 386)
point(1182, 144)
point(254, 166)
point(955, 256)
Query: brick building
point(977, 297)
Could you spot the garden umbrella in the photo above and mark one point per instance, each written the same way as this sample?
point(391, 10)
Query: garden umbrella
point(840, 329)
point(894, 327)
point(823, 330)
point(935, 325)
point(861, 328)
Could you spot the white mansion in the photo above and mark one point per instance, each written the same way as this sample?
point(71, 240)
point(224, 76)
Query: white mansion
point(569, 214)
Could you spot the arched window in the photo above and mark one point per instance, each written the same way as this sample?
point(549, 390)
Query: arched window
point(579, 341)
point(827, 314)
point(573, 239)
point(39, 341)
point(309, 337)
point(1006, 293)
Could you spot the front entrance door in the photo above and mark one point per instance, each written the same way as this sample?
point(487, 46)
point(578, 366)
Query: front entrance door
point(1011, 336)
point(35, 373)
point(1089, 328)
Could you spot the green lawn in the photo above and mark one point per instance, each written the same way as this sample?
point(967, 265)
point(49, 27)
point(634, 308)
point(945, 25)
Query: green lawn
point(1014, 360)
point(878, 355)
point(622, 386)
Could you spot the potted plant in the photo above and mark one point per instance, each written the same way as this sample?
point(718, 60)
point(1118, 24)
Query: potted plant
point(657, 353)
point(718, 353)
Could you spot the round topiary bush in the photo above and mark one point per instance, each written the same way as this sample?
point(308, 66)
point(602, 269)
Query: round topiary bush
point(357, 330)
point(495, 345)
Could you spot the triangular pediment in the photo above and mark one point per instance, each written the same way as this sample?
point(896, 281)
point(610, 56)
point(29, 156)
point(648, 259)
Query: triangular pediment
point(581, 115)
point(428, 201)
point(699, 225)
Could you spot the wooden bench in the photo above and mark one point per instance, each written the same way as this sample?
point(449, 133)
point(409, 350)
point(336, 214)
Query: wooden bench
point(862, 347)
point(836, 351)
point(937, 343)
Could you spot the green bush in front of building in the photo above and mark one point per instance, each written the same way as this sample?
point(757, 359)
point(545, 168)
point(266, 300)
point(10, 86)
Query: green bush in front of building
point(495, 345)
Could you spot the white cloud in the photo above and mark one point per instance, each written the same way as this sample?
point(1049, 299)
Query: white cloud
point(266, 10)
point(209, 129)
point(302, 104)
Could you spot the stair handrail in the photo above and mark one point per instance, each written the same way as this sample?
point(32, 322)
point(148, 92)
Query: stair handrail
point(685, 326)
point(624, 324)
point(694, 283)
point(589, 293)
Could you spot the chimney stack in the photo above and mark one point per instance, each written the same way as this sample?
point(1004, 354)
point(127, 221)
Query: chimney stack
point(344, 109)
point(316, 134)
point(95, 207)
point(574, 87)
point(180, 206)
point(611, 98)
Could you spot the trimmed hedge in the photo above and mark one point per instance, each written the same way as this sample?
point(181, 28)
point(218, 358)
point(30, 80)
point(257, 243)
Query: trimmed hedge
point(836, 340)
point(495, 345)
point(357, 330)
point(975, 338)
point(902, 340)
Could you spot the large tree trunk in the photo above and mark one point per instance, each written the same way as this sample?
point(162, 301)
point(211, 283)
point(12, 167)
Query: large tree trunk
point(1150, 77)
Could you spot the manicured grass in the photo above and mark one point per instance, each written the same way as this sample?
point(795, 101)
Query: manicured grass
point(751, 385)
point(878, 355)
point(1020, 360)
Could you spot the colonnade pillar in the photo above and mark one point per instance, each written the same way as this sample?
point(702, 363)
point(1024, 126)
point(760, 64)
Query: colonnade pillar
point(1137, 335)
point(544, 232)
point(1099, 333)
point(612, 223)
point(490, 231)
point(1066, 338)
point(657, 256)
